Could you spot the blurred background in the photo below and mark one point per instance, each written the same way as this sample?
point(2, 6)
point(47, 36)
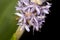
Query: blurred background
point(7, 19)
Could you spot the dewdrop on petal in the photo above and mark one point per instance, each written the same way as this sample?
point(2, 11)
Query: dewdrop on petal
point(31, 13)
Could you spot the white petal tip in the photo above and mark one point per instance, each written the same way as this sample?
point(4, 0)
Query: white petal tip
point(18, 14)
point(27, 29)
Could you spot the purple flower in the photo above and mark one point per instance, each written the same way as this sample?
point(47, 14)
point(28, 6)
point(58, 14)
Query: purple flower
point(31, 14)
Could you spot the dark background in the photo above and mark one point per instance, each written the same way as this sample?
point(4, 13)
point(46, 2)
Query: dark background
point(50, 25)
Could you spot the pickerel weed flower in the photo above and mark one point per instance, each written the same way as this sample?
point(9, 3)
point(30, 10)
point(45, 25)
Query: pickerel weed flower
point(31, 14)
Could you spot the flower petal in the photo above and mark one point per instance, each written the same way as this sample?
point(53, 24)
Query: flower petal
point(27, 28)
point(46, 11)
point(38, 11)
point(18, 14)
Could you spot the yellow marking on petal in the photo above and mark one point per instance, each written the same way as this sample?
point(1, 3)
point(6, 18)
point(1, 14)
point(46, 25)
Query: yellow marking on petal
point(28, 21)
point(35, 14)
point(37, 1)
point(28, 14)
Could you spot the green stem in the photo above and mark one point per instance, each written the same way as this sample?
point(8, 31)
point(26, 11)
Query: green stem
point(17, 34)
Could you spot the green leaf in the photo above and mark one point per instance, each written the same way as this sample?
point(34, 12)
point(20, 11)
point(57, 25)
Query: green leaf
point(7, 19)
